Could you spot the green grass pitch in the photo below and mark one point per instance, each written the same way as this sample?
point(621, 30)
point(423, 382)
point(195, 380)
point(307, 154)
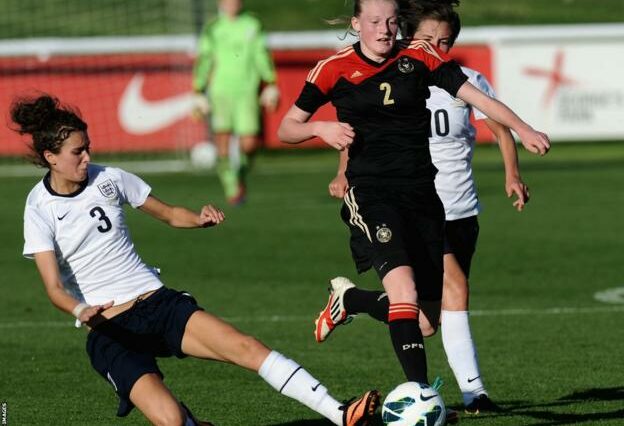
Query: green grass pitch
point(550, 353)
point(80, 18)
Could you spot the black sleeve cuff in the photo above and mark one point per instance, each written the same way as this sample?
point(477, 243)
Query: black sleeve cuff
point(311, 98)
point(449, 77)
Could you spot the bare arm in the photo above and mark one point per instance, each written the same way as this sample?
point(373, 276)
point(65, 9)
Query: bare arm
point(295, 128)
point(534, 141)
point(513, 180)
point(181, 217)
point(51, 277)
point(339, 185)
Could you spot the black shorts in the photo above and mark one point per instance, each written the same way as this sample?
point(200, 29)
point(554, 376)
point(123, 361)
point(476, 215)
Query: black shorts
point(393, 227)
point(125, 347)
point(461, 240)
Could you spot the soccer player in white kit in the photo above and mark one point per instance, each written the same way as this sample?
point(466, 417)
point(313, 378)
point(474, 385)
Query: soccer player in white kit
point(75, 229)
point(451, 145)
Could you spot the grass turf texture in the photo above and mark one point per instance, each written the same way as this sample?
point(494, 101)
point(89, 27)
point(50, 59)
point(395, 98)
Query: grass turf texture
point(266, 270)
point(79, 18)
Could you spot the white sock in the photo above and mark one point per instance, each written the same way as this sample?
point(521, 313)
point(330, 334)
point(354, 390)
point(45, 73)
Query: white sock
point(462, 354)
point(290, 379)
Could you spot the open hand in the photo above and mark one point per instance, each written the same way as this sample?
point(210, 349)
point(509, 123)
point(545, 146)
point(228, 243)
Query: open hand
point(201, 106)
point(210, 216)
point(269, 97)
point(88, 314)
point(520, 190)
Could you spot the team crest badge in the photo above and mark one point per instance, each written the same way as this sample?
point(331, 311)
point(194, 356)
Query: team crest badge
point(406, 66)
point(107, 189)
point(384, 234)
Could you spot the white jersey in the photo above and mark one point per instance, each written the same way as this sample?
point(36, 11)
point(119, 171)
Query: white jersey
point(88, 233)
point(452, 145)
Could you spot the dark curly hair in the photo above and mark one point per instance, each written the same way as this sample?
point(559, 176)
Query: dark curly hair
point(413, 12)
point(48, 122)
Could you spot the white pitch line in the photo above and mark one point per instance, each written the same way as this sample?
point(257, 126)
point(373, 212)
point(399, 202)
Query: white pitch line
point(304, 318)
point(548, 311)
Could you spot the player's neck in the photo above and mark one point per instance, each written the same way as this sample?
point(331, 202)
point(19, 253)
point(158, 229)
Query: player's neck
point(370, 54)
point(229, 16)
point(63, 186)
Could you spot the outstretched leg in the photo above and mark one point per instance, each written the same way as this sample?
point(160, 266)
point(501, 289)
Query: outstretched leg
point(207, 336)
point(346, 300)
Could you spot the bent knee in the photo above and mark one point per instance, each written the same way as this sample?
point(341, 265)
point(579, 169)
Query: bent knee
point(402, 293)
point(428, 330)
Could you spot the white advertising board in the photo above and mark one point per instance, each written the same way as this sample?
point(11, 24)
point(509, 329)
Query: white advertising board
point(570, 89)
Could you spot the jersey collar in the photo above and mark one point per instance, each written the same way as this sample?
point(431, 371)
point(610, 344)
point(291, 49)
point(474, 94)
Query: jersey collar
point(48, 186)
point(358, 50)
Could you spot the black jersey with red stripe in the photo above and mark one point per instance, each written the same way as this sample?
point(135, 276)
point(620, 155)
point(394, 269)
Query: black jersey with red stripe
point(386, 105)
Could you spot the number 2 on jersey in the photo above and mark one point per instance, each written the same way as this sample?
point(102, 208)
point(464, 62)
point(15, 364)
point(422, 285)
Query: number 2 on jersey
point(387, 89)
point(102, 217)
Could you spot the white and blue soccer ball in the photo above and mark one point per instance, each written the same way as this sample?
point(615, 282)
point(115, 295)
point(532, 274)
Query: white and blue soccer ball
point(204, 155)
point(413, 404)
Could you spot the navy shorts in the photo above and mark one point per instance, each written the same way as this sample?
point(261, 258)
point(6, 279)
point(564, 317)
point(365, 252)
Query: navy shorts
point(461, 240)
point(393, 227)
point(125, 347)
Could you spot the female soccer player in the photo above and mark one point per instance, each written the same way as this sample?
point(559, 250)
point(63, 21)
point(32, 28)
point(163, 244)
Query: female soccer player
point(451, 145)
point(75, 229)
point(379, 89)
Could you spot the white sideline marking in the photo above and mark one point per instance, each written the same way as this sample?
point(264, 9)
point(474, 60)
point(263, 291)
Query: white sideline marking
point(304, 318)
point(611, 295)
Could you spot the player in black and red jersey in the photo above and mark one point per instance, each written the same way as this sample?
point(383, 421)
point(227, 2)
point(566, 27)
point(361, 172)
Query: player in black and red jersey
point(379, 88)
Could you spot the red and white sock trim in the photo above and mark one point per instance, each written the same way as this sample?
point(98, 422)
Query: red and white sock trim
point(400, 311)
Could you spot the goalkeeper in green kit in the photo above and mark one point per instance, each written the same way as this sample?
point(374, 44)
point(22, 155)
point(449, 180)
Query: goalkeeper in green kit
point(232, 63)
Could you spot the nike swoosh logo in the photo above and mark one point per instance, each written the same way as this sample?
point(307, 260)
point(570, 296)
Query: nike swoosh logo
point(139, 116)
point(426, 398)
point(314, 388)
point(62, 217)
point(473, 379)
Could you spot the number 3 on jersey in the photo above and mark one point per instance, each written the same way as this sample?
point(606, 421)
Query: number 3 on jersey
point(387, 89)
point(101, 216)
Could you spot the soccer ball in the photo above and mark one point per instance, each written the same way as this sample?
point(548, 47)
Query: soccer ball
point(204, 155)
point(413, 404)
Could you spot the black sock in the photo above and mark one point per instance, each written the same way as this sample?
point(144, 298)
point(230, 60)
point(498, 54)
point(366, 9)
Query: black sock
point(371, 302)
point(407, 340)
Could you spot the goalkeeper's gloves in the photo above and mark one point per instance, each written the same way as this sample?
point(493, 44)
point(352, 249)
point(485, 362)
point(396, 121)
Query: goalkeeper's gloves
point(269, 97)
point(201, 106)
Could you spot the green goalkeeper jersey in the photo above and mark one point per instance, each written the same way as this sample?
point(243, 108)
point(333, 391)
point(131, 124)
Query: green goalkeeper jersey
point(232, 57)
